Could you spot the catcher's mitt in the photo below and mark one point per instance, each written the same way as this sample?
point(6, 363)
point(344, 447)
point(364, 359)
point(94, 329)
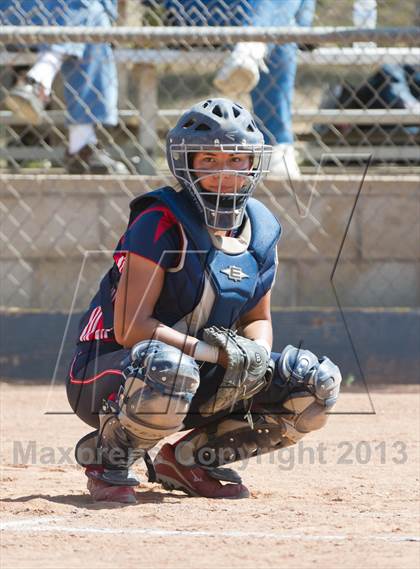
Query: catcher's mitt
point(248, 371)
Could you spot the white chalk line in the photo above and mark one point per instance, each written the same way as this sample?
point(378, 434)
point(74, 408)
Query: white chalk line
point(32, 521)
point(45, 525)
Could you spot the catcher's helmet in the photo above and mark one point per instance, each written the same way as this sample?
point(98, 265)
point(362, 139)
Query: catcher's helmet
point(218, 125)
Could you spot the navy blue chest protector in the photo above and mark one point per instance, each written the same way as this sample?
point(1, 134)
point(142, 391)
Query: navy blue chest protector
point(238, 280)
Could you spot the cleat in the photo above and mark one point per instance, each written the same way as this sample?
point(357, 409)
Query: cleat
point(194, 481)
point(27, 101)
point(101, 491)
point(241, 70)
point(104, 492)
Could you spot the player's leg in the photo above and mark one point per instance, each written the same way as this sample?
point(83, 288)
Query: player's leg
point(273, 95)
point(240, 72)
point(174, 471)
point(91, 93)
point(155, 385)
point(302, 392)
point(32, 93)
point(272, 102)
point(95, 379)
point(96, 374)
point(269, 72)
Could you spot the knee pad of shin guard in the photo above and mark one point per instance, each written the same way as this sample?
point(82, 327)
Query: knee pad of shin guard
point(158, 391)
point(299, 414)
point(306, 414)
point(302, 369)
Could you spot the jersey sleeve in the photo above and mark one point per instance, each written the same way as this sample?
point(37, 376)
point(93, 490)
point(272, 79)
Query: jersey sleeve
point(154, 234)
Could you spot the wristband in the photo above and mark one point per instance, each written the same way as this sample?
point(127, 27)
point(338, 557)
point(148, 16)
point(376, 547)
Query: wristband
point(206, 353)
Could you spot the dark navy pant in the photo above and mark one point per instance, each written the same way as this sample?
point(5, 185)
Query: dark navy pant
point(96, 374)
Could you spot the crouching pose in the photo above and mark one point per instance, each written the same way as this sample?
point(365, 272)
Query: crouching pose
point(179, 335)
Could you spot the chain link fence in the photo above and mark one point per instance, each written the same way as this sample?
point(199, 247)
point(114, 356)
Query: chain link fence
point(349, 95)
point(354, 101)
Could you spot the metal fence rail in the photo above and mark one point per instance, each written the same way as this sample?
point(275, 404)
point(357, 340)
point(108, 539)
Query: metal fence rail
point(147, 36)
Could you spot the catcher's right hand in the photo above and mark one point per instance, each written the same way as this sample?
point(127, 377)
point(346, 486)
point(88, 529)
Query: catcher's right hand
point(245, 375)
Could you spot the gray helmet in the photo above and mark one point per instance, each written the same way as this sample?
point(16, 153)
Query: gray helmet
point(214, 126)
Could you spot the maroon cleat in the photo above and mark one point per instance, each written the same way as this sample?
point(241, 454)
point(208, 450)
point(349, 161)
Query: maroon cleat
point(101, 491)
point(194, 481)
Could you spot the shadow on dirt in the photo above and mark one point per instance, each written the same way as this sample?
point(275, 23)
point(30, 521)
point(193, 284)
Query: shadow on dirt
point(84, 501)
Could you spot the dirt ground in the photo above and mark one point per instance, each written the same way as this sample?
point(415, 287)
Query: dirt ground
point(346, 496)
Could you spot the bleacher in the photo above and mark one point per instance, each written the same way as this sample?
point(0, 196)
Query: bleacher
point(144, 122)
point(147, 121)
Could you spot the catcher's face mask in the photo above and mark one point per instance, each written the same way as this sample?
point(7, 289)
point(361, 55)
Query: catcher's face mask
point(222, 178)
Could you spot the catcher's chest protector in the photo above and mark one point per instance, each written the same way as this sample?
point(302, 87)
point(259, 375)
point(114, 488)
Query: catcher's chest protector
point(220, 285)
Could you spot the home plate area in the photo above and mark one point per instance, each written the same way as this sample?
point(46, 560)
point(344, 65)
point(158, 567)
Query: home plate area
point(339, 497)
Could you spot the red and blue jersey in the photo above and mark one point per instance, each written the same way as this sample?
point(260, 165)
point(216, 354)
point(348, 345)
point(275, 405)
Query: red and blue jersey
point(205, 283)
point(154, 234)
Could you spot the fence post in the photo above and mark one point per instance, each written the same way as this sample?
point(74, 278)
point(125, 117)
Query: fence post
point(146, 80)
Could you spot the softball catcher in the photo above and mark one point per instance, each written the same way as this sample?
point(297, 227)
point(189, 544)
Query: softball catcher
point(179, 335)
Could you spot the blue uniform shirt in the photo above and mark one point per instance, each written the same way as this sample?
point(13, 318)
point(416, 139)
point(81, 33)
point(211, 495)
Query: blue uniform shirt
point(208, 280)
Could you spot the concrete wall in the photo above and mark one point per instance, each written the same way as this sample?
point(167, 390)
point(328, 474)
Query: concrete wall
point(50, 225)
